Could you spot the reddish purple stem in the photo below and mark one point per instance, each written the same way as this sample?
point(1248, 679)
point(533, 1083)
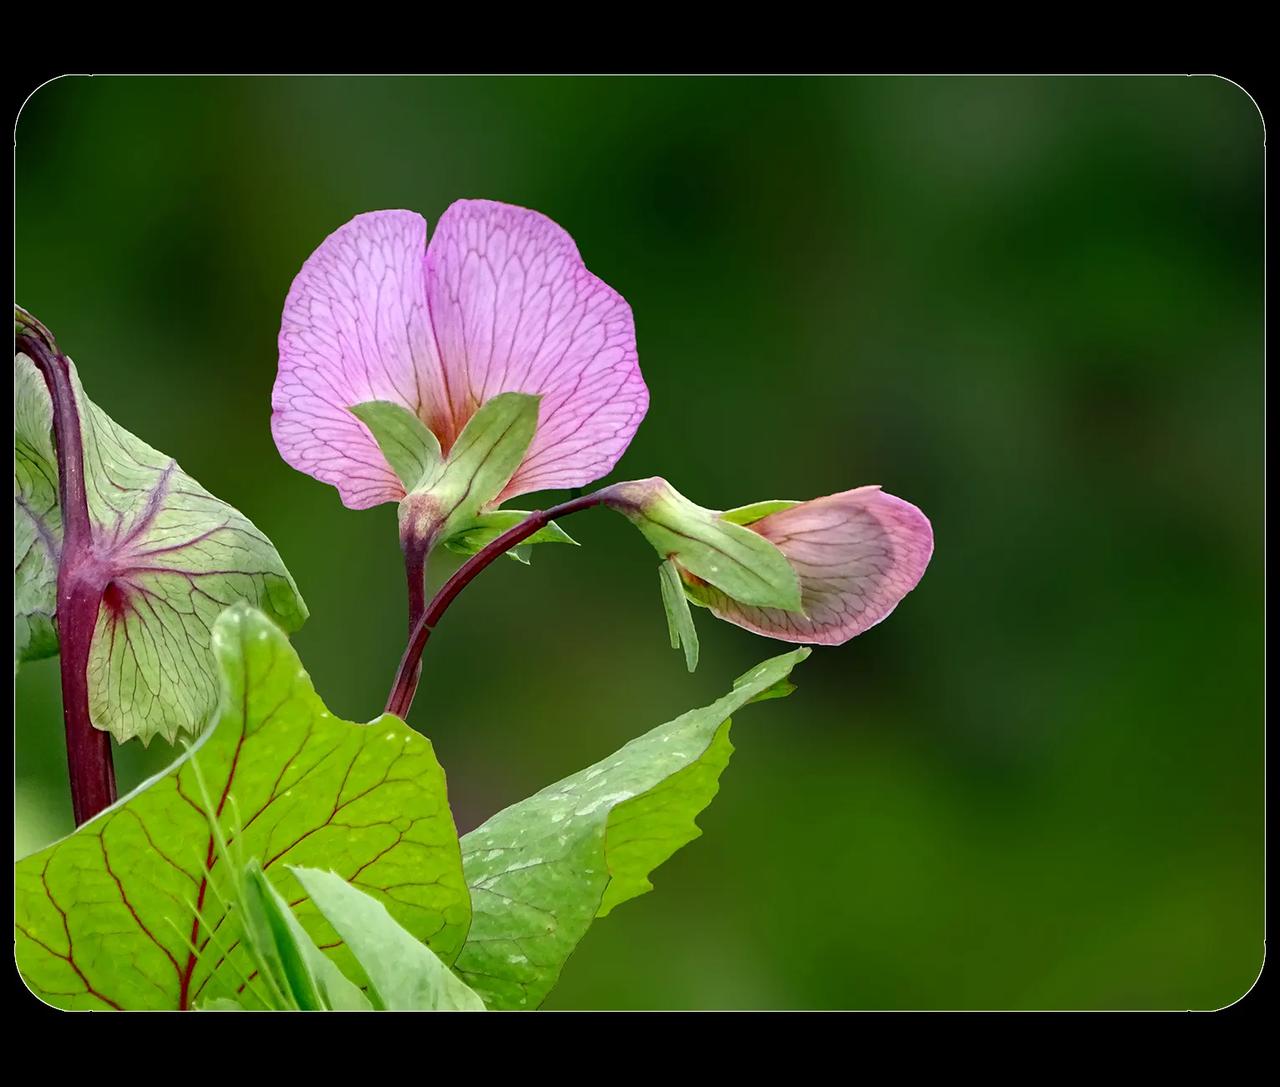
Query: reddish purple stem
point(406, 681)
point(82, 579)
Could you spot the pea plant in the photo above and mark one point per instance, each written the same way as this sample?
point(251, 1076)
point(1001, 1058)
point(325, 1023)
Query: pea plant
point(287, 859)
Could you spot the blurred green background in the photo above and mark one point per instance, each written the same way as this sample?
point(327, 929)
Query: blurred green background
point(1032, 306)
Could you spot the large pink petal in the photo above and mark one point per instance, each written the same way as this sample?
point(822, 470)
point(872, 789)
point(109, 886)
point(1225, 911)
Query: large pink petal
point(356, 328)
point(857, 553)
point(514, 309)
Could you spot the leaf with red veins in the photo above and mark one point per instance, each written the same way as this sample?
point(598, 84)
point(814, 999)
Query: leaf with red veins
point(107, 917)
point(170, 557)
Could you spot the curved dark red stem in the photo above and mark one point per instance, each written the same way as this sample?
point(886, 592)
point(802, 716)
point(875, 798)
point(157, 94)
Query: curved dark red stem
point(82, 578)
point(406, 681)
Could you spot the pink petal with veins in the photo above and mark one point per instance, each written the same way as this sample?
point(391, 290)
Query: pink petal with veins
point(356, 328)
point(857, 553)
point(515, 310)
point(499, 302)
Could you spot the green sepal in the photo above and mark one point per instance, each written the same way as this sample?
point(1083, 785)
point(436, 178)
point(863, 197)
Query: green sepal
point(479, 465)
point(740, 563)
point(746, 515)
point(410, 447)
point(483, 529)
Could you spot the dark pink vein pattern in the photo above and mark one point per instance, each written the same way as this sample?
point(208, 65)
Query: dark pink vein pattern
point(500, 301)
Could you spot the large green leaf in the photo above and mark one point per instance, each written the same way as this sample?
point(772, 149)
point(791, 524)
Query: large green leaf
point(174, 556)
point(542, 870)
point(105, 917)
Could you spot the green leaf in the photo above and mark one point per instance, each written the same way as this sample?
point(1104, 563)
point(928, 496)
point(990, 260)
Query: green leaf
point(403, 973)
point(272, 941)
point(679, 619)
point(746, 515)
point(37, 520)
point(281, 946)
point(542, 870)
point(476, 534)
point(740, 563)
point(175, 556)
point(480, 464)
point(405, 440)
point(107, 916)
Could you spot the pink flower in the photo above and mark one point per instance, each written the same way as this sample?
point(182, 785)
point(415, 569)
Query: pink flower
point(856, 553)
point(499, 301)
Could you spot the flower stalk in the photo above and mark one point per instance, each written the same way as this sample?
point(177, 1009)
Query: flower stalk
point(405, 684)
point(82, 579)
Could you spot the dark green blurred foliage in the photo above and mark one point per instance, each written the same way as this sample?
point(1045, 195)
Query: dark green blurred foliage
point(1031, 306)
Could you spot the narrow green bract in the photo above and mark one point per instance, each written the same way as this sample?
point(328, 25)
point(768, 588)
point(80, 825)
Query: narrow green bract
point(680, 626)
point(542, 870)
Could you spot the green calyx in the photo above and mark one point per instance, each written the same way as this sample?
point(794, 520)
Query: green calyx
point(710, 545)
point(447, 497)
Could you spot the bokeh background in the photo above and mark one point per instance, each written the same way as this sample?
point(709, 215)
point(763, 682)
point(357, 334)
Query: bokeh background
point(1032, 306)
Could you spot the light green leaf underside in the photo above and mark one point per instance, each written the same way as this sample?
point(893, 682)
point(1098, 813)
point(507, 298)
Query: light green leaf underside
point(178, 557)
point(95, 912)
point(405, 440)
point(542, 870)
point(37, 520)
point(402, 973)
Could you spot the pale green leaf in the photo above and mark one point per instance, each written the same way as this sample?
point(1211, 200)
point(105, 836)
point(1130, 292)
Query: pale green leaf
point(37, 520)
point(107, 916)
point(176, 557)
point(402, 972)
point(543, 869)
point(410, 447)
